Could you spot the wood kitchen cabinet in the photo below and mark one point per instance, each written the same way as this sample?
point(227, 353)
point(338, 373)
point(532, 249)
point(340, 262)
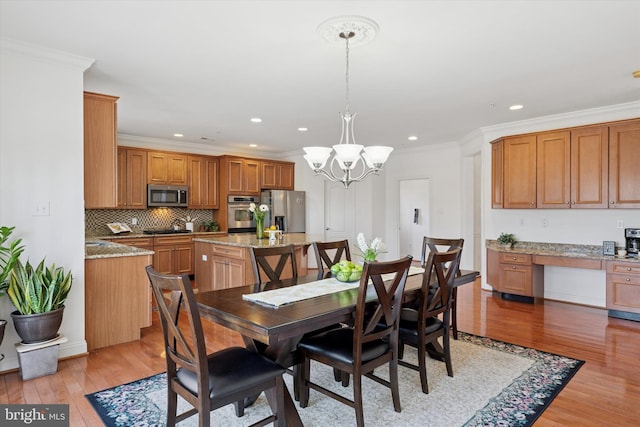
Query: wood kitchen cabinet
point(277, 175)
point(519, 173)
point(100, 144)
point(203, 182)
point(514, 274)
point(497, 174)
point(241, 176)
point(166, 168)
point(623, 289)
point(220, 266)
point(174, 254)
point(132, 178)
point(624, 158)
point(592, 166)
point(572, 168)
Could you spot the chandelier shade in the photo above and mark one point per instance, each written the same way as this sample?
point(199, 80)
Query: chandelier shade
point(347, 155)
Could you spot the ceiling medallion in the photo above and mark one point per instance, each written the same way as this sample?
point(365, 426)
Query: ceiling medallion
point(364, 30)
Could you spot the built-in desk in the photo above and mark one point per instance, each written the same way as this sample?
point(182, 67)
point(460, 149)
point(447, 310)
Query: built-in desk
point(518, 272)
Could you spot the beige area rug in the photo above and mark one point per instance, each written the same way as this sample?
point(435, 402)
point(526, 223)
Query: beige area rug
point(493, 383)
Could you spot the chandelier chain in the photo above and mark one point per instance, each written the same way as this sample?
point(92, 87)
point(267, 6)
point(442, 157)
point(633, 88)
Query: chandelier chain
point(346, 76)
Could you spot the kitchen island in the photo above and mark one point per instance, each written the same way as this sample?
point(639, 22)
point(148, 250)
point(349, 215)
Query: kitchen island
point(224, 261)
point(117, 293)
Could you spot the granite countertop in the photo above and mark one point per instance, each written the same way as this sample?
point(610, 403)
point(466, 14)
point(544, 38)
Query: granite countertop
point(250, 240)
point(559, 249)
point(94, 249)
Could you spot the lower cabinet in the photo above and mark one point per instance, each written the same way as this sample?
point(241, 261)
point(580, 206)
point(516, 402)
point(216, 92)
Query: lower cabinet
point(117, 300)
point(623, 289)
point(514, 274)
point(173, 255)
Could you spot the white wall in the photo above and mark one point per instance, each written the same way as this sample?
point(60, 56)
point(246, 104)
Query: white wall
point(41, 162)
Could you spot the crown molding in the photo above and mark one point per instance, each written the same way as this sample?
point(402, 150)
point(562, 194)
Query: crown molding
point(27, 50)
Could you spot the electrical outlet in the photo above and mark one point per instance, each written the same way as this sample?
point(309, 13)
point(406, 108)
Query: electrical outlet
point(545, 223)
point(134, 221)
point(41, 209)
point(620, 223)
point(521, 222)
point(204, 257)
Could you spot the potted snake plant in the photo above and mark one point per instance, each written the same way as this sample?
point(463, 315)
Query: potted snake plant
point(10, 252)
point(38, 295)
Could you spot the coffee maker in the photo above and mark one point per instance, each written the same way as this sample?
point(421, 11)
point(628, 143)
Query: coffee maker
point(632, 236)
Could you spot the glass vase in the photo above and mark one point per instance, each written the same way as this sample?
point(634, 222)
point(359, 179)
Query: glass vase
point(260, 234)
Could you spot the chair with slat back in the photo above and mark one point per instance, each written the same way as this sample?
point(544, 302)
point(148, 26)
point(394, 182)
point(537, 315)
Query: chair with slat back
point(421, 328)
point(371, 342)
point(264, 267)
point(325, 259)
point(208, 382)
point(435, 244)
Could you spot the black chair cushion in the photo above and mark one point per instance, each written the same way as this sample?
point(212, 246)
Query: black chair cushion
point(232, 369)
point(338, 344)
point(409, 328)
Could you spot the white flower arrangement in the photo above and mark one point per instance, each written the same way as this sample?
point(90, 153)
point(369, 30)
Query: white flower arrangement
point(260, 211)
point(370, 250)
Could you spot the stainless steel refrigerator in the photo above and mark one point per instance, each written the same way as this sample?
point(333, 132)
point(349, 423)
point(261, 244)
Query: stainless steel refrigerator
point(286, 210)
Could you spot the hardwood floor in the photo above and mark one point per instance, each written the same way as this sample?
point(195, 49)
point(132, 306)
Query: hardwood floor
point(606, 390)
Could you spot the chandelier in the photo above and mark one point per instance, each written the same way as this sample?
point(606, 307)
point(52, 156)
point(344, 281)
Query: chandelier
point(355, 162)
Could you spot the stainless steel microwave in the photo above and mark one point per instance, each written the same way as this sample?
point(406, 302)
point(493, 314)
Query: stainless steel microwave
point(167, 196)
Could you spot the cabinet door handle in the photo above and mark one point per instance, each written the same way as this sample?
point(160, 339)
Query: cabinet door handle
point(573, 203)
point(514, 258)
point(628, 279)
point(628, 268)
point(613, 202)
point(513, 267)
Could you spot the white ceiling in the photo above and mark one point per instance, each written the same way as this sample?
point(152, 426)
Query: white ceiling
point(204, 68)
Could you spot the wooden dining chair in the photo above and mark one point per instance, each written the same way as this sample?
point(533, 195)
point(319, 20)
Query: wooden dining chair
point(372, 341)
point(208, 382)
point(269, 263)
point(434, 244)
point(328, 254)
point(421, 328)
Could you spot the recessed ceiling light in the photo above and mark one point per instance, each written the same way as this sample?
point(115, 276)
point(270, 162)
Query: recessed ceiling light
point(253, 145)
point(256, 120)
point(303, 129)
point(516, 107)
point(413, 138)
point(178, 135)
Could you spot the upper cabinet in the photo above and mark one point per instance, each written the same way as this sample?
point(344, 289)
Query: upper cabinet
point(624, 158)
point(100, 144)
point(167, 168)
point(240, 176)
point(132, 178)
point(277, 175)
point(519, 173)
point(584, 167)
point(203, 182)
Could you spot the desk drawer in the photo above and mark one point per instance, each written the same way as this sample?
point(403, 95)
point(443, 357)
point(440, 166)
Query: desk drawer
point(620, 267)
point(228, 251)
point(515, 258)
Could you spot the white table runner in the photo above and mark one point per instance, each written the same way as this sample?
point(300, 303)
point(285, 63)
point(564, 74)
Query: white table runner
point(277, 297)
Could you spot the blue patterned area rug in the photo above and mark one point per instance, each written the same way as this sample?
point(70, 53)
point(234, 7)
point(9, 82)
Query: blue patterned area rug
point(494, 383)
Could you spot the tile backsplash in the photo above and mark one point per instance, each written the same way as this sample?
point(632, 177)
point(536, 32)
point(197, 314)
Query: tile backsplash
point(96, 220)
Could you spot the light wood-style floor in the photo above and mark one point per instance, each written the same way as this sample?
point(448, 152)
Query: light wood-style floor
point(606, 390)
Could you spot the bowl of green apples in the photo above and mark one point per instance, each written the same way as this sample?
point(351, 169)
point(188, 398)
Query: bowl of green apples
point(346, 271)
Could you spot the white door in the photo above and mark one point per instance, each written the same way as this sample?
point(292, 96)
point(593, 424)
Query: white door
point(339, 212)
point(413, 216)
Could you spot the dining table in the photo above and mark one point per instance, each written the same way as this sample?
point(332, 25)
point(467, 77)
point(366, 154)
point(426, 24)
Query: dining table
point(275, 330)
